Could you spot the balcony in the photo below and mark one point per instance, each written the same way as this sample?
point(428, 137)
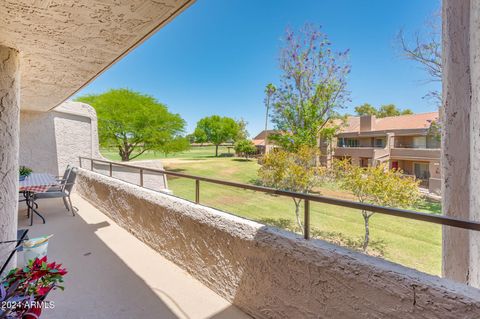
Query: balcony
point(346, 151)
point(415, 153)
point(363, 151)
point(264, 271)
point(112, 274)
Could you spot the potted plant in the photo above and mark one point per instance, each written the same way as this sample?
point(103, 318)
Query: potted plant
point(23, 290)
point(24, 172)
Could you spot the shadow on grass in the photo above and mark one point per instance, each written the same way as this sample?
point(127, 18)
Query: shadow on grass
point(430, 206)
point(176, 170)
point(375, 248)
point(242, 159)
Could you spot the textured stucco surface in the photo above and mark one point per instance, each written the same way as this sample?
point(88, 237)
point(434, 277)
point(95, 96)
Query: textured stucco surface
point(474, 271)
point(49, 141)
point(270, 273)
point(9, 117)
point(113, 275)
point(64, 44)
point(37, 142)
point(461, 137)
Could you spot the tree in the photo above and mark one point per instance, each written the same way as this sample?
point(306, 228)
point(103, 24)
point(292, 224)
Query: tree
point(216, 130)
point(270, 89)
point(425, 49)
point(377, 185)
point(313, 87)
point(291, 171)
point(177, 144)
point(133, 122)
point(366, 109)
point(242, 130)
point(384, 110)
point(392, 110)
point(245, 147)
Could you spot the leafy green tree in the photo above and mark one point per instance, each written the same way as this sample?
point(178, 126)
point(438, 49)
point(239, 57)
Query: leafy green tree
point(292, 171)
point(383, 111)
point(242, 130)
point(216, 130)
point(190, 138)
point(133, 122)
point(313, 85)
point(392, 110)
point(377, 185)
point(176, 145)
point(245, 147)
point(366, 109)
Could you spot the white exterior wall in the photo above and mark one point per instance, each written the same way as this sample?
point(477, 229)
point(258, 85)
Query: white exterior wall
point(461, 137)
point(9, 113)
point(50, 141)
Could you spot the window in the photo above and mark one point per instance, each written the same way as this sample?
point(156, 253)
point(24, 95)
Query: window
point(379, 142)
point(421, 171)
point(419, 142)
point(347, 142)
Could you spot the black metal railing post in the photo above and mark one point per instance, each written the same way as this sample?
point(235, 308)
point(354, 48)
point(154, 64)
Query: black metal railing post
point(306, 219)
point(80, 161)
point(110, 169)
point(197, 191)
point(141, 177)
point(91, 164)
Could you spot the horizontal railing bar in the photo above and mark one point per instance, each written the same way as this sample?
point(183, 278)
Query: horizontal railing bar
point(409, 214)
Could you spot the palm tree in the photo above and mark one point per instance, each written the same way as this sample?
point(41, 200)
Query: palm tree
point(270, 89)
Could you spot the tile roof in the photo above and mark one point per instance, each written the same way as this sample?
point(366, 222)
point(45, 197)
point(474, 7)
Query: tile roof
point(401, 122)
point(262, 134)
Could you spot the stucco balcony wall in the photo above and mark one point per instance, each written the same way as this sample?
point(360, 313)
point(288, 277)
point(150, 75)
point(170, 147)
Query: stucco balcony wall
point(368, 152)
point(270, 273)
point(416, 153)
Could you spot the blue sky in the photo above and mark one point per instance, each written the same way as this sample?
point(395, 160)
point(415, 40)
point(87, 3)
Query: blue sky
point(218, 55)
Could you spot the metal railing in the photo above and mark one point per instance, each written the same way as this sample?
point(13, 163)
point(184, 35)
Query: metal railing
point(430, 218)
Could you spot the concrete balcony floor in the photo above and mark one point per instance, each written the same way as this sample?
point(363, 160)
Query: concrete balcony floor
point(114, 275)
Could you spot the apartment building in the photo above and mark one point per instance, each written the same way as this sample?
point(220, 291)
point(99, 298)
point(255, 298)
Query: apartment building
point(262, 143)
point(403, 142)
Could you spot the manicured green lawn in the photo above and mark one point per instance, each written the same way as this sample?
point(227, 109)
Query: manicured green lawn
point(411, 243)
point(197, 152)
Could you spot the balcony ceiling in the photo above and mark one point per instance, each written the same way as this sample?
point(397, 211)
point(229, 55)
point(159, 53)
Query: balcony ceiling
point(65, 44)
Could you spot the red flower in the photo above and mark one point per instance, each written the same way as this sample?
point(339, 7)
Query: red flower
point(42, 291)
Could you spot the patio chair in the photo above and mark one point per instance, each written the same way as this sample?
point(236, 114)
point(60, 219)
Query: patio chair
point(62, 180)
point(63, 192)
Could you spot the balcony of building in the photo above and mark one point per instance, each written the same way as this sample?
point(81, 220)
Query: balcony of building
point(137, 253)
point(366, 148)
point(416, 147)
point(112, 274)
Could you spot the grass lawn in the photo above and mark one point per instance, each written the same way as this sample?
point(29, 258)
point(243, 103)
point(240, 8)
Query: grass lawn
point(199, 152)
point(411, 243)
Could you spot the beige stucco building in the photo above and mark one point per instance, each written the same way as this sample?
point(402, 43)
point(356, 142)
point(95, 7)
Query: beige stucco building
point(406, 142)
point(51, 49)
point(49, 141)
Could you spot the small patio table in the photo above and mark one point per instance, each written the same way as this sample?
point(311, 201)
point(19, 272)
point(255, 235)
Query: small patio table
point(36, 183)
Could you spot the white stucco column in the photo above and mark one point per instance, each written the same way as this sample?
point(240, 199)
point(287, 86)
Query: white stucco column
point(9, 124)
point(461, 137)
